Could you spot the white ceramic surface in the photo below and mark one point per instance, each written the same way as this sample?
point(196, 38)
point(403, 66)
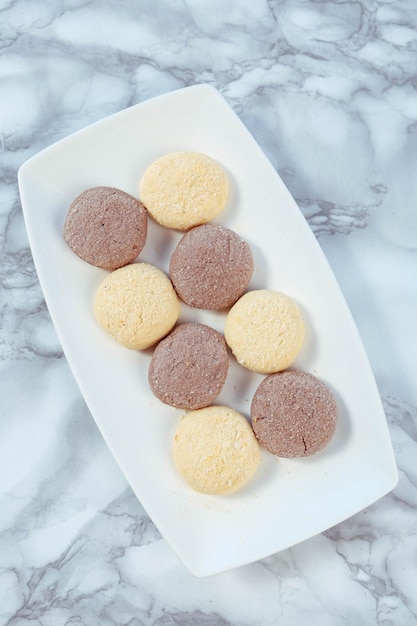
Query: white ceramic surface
point(288, 500)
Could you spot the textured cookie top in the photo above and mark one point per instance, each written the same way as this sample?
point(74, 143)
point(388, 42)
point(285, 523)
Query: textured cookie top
point(137, 305)
point(106, 227)
point(183, 189)
point(215, 450)
point(265, 331)
point(211, 267)
point(189, 367)
point(293, 414)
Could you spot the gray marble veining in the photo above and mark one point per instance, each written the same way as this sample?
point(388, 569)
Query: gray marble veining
point(329, 91)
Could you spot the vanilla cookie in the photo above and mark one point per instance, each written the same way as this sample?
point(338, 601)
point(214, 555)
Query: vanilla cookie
point(106, 227)
point(265, 331)
point(189, 367)
point(215, 450)
point(293, 414)
point(211, 267)
point(137, 305)
point(183, 189)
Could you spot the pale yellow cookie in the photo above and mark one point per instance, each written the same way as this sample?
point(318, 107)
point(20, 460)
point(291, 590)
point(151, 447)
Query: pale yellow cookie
point(265, 331)
point(137, 305)
point(215, 450)
point(184, 189)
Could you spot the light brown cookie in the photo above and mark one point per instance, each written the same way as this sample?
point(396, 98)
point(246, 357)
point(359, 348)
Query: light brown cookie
point(106, 227)
point(293, 414)
point(265, 330)
point(211, 267)
point(215, 450)
point(189, 367)
point(183, 189)
point(137, 305)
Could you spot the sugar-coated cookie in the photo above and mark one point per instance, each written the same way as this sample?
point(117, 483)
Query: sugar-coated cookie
point(215, 450)
point(265, 330)
point(189, 367)
point(137, 305)
point(211, 267)
point(106, 227)
point(293, 414)
point(183, 189)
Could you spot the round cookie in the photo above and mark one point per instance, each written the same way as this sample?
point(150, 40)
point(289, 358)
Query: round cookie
point(189, 367)
point(106, 227)
point(137, 305)
point(183, 189)
point(265, 331)
point(211, 267)
point(215, 450)
point(293, 414)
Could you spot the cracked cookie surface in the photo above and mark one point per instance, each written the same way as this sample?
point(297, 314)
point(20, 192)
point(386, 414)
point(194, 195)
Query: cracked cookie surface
point(293, 414)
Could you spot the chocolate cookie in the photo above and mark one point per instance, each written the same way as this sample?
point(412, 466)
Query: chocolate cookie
point(189, 367)
point(293, 414)
point(211, 267)
point(106, 227)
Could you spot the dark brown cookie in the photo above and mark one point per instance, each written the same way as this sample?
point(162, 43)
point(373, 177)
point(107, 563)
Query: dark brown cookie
point(211, 267)
point(106, 227)
point(293, 414)
point(189, 367)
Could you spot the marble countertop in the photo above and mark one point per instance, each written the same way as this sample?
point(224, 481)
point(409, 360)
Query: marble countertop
point(328, 90)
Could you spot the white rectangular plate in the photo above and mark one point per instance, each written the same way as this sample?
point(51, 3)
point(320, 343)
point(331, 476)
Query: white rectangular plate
point(288, 500)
